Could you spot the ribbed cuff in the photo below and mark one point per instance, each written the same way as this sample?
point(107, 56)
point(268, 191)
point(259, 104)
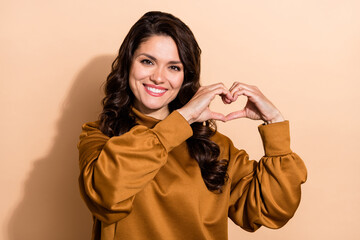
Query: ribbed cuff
point(275, 138)
point(173, 130)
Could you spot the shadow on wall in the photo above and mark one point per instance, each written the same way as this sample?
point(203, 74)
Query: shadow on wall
point(52, 207)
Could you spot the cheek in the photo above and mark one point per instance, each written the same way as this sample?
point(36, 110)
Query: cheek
point(138, 73)
point(177, 82)
point(133, 81)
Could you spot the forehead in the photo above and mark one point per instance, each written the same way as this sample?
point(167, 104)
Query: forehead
point(160, 47)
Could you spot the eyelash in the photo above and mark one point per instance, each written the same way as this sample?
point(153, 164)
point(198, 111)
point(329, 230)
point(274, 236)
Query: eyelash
point(146, 61)
point(176, 68)
point(149, 62)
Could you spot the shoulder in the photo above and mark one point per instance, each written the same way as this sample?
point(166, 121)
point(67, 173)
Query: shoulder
point(91, 126)
point(221, 139)
point(224, 142)
point(227, 148)
point(91, 132)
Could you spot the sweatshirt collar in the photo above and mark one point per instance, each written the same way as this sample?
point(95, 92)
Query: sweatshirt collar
point(143, 119)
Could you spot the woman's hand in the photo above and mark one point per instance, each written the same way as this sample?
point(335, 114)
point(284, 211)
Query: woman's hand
point(197, 109)
point(257, 107)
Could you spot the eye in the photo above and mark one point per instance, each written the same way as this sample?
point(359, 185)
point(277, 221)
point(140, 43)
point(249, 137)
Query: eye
point(175, 68)
point(146, 62)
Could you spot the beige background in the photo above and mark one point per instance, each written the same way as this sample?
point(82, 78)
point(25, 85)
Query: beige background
point(54, 55)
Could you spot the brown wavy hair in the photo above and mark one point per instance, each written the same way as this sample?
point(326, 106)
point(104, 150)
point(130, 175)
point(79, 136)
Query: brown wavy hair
point(116, 118)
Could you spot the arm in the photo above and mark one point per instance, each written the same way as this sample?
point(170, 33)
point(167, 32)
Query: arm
point(114, 170)
point(266, 192)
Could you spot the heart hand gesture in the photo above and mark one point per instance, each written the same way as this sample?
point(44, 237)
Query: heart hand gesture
point(257, 107)
point(197, 109)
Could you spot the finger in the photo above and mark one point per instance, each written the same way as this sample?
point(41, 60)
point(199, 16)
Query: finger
point(235, 115)
point(226, 92)
point(215, 85)
point(237, 93)
point(223, 92)
point(244, 92)
point(239, 86)
point(211, 87)
point(217, 116)
point(241, 92)
point(244, 85)
point(226, 100)
point(233, 86)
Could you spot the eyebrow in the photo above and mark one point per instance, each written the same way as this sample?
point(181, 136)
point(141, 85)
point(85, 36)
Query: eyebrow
point(154, 58)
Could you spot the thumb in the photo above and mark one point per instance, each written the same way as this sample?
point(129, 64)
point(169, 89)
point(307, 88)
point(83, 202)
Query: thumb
point(217, 116)
point(235, 115)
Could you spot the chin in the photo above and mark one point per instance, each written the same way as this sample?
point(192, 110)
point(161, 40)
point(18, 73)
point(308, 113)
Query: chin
point(155, 107)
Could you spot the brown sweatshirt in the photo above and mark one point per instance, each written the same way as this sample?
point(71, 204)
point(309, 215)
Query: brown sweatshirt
point(144, 185)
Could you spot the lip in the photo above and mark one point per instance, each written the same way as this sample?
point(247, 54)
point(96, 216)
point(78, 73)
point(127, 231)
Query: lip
point(158, 88)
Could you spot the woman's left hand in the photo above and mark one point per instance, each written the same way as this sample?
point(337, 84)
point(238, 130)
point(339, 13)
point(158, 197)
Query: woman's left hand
point(258, 107)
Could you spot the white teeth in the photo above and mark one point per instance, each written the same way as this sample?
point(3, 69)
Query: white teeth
point(155, 90)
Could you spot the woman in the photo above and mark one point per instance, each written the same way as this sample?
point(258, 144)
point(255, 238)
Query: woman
point(154, 166)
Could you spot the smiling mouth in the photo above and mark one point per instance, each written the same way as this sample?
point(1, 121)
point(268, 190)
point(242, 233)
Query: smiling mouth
point(154, 90)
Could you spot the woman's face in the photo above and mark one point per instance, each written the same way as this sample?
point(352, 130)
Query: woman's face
point(156, 75)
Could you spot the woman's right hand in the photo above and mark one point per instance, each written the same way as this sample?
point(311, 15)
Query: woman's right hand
point(197, 109)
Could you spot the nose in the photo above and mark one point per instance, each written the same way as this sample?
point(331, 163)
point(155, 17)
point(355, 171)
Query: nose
point(157, 75)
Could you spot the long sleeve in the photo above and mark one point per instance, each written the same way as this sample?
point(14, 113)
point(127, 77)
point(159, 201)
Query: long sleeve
point(113, 170)
point(265, 192)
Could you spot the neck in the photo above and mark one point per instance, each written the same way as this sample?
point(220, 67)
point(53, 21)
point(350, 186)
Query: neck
point(156, 113)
